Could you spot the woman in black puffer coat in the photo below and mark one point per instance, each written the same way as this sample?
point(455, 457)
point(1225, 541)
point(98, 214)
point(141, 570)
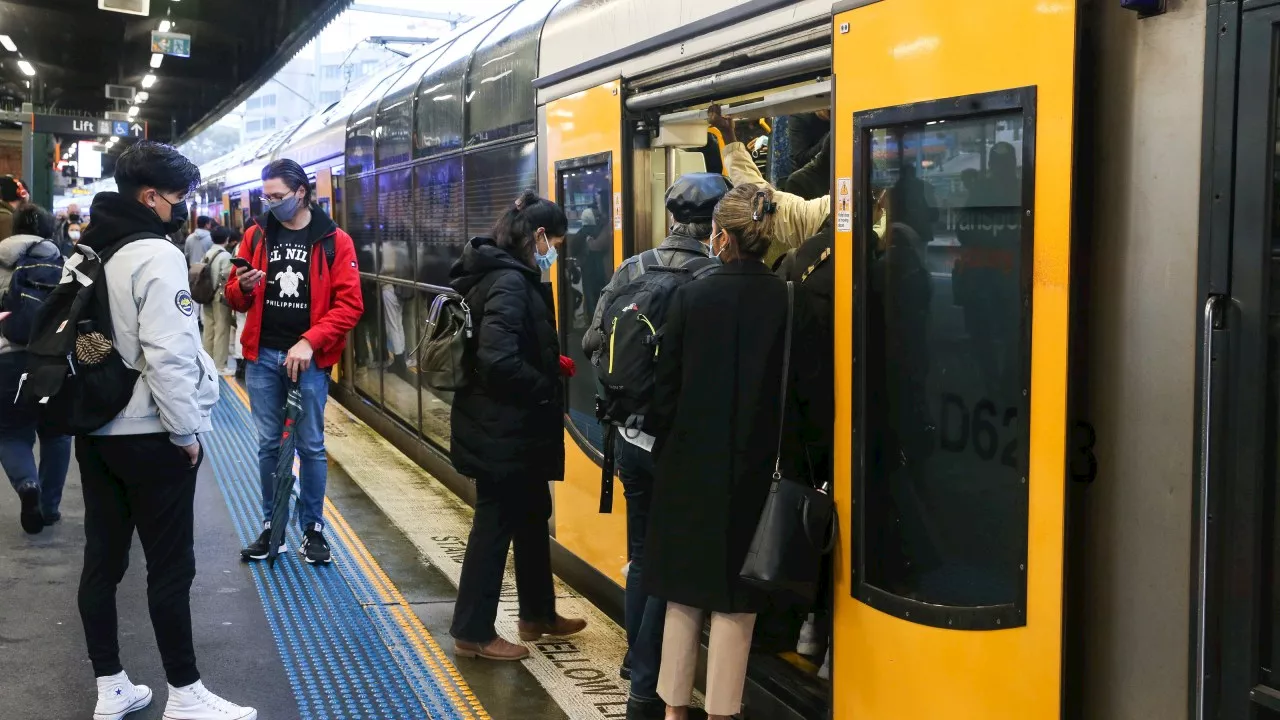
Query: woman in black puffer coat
point(507, 427)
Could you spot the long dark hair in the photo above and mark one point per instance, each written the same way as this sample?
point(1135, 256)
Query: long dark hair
point(291, 174)
point(515, 230)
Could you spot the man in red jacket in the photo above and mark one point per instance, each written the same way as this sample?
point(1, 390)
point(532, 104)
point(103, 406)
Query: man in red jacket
point(302, 296)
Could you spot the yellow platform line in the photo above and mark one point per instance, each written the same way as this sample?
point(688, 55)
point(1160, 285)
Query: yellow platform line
point(428, 649)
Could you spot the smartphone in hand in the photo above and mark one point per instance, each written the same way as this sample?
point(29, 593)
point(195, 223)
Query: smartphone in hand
point(241, 263)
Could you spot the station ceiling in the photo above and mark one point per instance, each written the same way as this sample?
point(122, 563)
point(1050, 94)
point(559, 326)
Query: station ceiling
point(77, 49)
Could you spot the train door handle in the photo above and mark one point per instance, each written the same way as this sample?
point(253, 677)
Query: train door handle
point(1211, 318)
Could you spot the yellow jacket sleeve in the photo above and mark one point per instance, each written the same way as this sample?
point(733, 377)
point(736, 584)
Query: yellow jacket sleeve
point(798, 219)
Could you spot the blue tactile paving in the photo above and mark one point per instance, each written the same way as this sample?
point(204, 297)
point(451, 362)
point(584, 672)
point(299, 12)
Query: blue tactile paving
point(345, 654)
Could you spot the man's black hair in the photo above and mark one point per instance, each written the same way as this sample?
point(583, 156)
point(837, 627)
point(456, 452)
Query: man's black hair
point(290, 173)
point(221, 235)
point(155, 165)
point(203, 222)
point(31, 219)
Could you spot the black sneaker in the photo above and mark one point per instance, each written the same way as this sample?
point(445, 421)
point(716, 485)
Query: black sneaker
point(314, 548)
point(258, 549)
point(31, 518)
point(51, 518)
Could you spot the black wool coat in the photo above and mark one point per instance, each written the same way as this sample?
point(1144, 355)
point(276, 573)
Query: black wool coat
point(506, 424)
point(715, 416)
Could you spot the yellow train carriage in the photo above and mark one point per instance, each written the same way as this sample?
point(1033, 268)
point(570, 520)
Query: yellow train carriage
point(1055, 389)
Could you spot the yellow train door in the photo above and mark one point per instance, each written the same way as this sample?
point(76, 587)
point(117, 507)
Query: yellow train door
point(583, 136)
point(953, 131)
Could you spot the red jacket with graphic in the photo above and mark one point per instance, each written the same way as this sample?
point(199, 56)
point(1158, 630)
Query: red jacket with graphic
point(336, 300)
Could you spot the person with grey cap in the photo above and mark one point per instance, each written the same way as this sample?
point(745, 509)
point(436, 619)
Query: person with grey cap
point(691, 202)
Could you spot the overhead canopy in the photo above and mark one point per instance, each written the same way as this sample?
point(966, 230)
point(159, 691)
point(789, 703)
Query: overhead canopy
point(78, 49)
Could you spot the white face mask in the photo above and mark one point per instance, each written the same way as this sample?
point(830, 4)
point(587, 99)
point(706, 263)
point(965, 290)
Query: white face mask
point(74, 234)
point(711, 245)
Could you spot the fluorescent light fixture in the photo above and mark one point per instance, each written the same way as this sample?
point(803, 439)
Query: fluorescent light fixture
point(27, 67)
point(7, 42)
point(165, 26)
point(148, 80)
point(134, 111)
point(142, 97)
point(156, 59)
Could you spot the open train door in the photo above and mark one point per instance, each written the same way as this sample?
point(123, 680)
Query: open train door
point(953, 138)
point(584, 162)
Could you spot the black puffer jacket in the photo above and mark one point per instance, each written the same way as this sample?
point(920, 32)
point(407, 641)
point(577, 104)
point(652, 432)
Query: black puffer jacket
point(507, 424)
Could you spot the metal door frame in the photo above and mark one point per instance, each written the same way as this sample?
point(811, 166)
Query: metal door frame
point(1242, 39)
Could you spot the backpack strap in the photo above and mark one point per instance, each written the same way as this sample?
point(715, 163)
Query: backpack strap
point(648, 259)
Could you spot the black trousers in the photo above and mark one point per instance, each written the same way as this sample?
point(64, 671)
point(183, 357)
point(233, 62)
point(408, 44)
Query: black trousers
point(507, 512)
point(143, 482)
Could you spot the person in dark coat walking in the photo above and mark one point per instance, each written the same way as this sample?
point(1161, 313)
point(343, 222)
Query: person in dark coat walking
point(715, 417)
point(507, 427)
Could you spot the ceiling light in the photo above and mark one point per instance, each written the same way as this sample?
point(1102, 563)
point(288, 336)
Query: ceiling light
point(7, 42)
point(26, 67)
point(134, 111)
point(156, 59)
point(165, 25)
point(148, 80)
point(142, 97)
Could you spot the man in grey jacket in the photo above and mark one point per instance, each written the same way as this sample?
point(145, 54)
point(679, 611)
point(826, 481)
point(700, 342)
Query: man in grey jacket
point(139, 470)
point(199, 242)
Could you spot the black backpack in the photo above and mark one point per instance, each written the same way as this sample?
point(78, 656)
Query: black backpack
point(34, 278)
point(628, 360)
point(76, 379)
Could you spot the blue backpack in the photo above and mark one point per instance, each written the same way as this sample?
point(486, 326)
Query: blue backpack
point(34, 277)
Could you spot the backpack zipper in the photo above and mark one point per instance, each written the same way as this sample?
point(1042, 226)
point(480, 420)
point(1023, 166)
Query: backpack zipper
point(652, 332)
point(613, 333)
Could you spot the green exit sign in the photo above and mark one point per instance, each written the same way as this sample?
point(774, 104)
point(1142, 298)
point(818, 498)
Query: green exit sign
point(176, 44)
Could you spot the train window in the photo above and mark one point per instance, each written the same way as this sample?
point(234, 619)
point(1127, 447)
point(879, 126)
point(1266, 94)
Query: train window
point(368, 354)
point(395, 225)
point(439, 114)
point(393, 138)
point(500, 96)
point(441, 227)
point(361, 126)
point(395, 262)
point(943, 347)
point(494, 179)
point(584, 186)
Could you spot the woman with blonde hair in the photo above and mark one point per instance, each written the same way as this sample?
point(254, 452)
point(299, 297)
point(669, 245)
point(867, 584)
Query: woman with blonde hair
point(716, 420)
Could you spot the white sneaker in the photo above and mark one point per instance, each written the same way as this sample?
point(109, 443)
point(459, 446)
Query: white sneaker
point(195, 702)
point(824, 672)
point(118, 697)
point(808, 643)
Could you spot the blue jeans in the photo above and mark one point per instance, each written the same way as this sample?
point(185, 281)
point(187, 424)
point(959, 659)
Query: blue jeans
point(268, 384)
point(644, 616)
point(18, 437)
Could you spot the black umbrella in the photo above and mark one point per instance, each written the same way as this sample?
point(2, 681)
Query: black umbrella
point(284, 471)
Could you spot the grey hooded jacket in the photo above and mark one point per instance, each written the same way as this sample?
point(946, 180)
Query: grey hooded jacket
point(11, 251)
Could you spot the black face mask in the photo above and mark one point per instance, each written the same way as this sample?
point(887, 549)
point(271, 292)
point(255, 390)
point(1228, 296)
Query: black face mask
point(178, 215)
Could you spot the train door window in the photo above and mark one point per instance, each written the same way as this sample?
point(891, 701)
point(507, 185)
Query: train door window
point(395, 270)
point(584, 187)
point(943, 351)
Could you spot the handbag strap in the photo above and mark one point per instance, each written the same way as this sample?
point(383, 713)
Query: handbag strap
point(786, 372)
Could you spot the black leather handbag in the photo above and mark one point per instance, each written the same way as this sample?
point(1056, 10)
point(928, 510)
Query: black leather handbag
point(797, 526)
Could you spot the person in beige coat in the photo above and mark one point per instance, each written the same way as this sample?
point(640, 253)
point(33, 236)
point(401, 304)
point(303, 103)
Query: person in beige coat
point(797, 219)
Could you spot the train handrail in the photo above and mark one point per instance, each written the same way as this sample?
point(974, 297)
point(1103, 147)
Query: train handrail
point(437, 289)
point(1202, 522)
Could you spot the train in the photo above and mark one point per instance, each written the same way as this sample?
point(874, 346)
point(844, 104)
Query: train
point(1069, 508)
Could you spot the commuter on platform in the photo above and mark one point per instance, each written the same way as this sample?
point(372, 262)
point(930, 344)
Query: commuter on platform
point(34, 258)
point(715, 413)
point(507, 427)
point(217, 316)
point(301, 298)
point(12, 194)
point(139, 470)
point(797, 219)
point(690, 201)
point(198, 243)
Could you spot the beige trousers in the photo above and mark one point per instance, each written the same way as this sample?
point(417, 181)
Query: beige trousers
point(217, 332)
point(726, 658)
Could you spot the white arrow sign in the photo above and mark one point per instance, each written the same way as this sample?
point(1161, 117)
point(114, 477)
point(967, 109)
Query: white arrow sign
point(135, 130)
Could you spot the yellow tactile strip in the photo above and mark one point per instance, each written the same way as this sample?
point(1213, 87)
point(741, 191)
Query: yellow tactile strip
point(580, 673)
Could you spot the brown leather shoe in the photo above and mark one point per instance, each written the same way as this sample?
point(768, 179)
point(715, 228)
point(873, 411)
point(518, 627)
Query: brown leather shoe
point(562, 627)
point(495, 649)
